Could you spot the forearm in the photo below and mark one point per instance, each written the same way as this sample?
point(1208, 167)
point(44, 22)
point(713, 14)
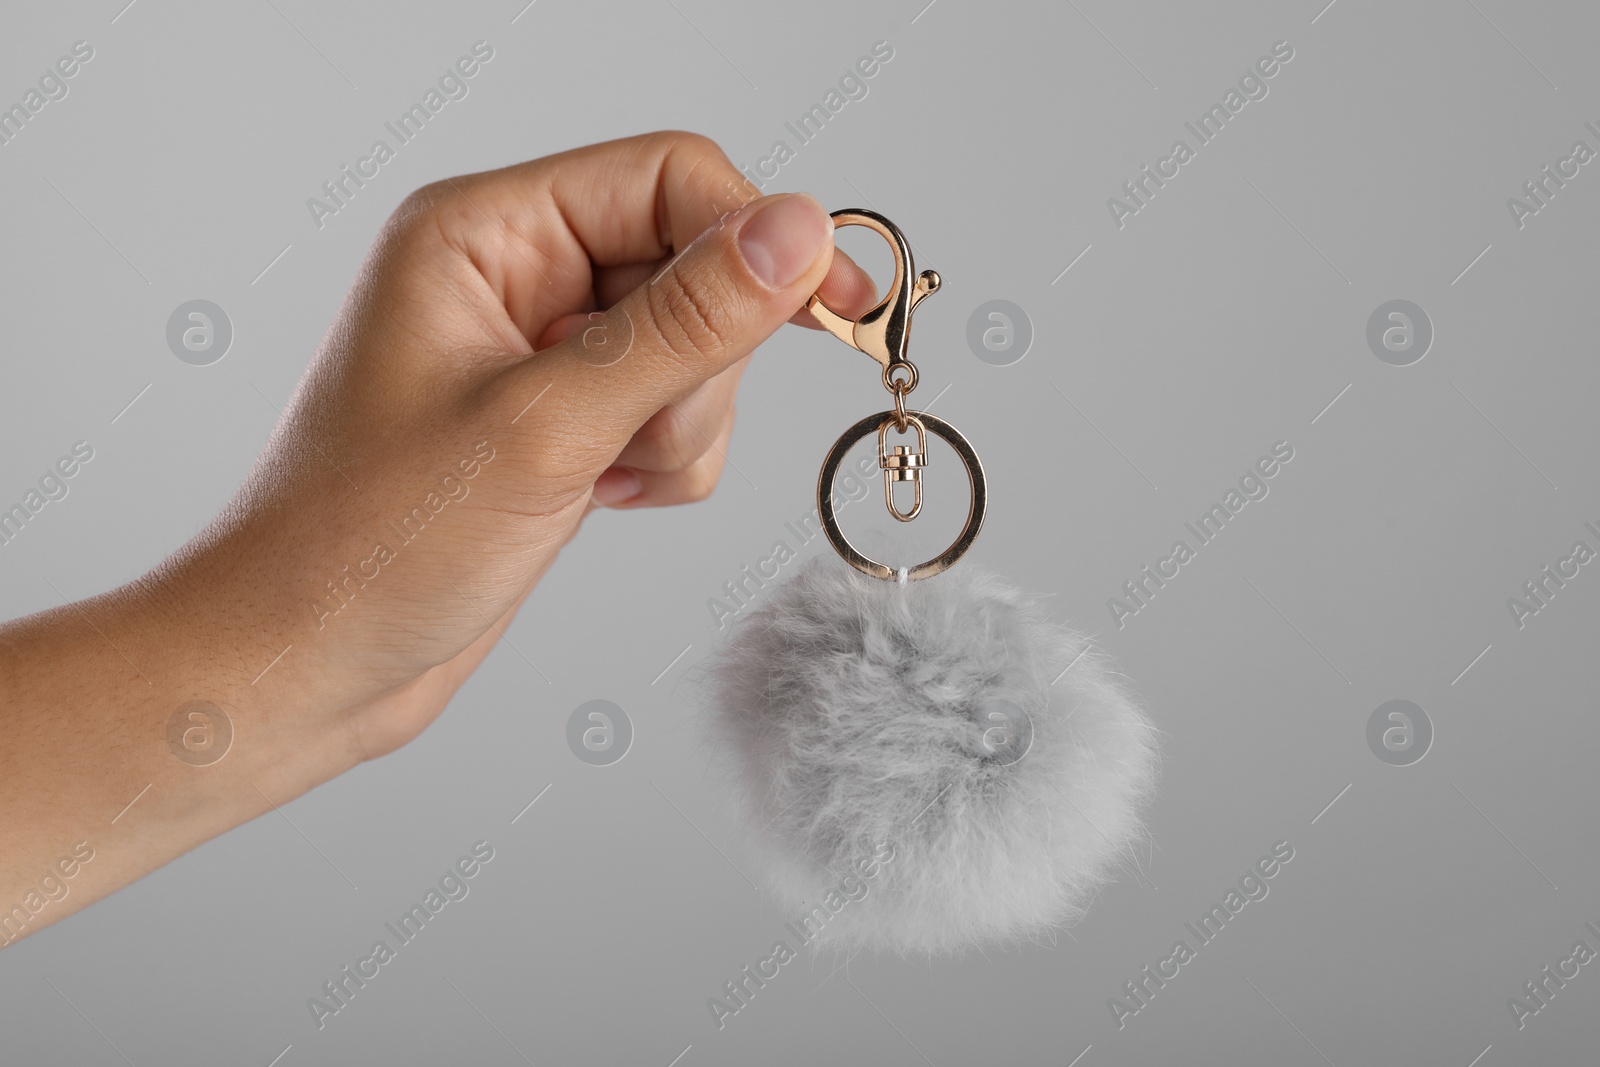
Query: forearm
point(97, 787)
point(421, 481)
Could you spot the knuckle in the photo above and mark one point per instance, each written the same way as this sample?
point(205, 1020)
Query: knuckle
point(420, 216)
point(691, 315)
point(670, 440)
point(700, 480)
point(697, 144)
point(441, 206)
point(563, 452)
point(708, 173)
point(564, 473)
point(421, 204)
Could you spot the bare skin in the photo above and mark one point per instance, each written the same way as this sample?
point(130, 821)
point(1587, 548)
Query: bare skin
point(520, 347)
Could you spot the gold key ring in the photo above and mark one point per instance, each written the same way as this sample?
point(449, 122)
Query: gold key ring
point(976, 508)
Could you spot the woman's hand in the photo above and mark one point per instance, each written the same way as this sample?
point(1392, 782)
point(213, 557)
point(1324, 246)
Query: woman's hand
point(520, 347)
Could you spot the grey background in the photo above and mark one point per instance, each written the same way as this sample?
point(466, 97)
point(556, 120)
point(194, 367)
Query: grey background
point(1224, 317)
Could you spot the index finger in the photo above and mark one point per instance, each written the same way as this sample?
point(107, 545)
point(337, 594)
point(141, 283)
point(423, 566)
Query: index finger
point(545, 233)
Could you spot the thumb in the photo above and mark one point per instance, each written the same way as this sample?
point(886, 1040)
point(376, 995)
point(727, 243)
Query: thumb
point(707, 308)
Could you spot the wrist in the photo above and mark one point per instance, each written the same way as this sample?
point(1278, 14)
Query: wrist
point(237, 712)
point(137, 737)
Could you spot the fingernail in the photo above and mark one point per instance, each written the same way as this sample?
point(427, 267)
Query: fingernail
point(784, 238)
point(616, 485)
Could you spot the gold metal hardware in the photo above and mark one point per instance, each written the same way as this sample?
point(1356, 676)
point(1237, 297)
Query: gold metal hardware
point(884, 333)
point(884, 330)
point(975, 509)
point(904, 464)
point(900, 388)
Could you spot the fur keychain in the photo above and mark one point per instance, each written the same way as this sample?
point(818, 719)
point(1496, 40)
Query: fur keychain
point(923, 766)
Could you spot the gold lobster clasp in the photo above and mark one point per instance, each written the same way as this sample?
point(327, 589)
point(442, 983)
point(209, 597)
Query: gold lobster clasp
point(884, 330)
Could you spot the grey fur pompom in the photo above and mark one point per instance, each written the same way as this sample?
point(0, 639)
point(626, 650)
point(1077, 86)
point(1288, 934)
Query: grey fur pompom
point(911, 778)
